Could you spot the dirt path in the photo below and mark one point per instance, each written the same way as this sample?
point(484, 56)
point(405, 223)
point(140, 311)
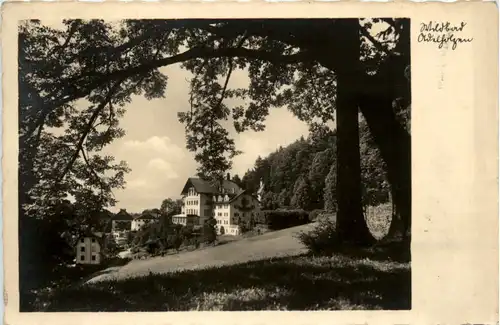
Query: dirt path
point(273, 244)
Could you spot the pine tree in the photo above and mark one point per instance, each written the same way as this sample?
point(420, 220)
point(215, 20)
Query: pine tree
point(330, 195)
point(301, 198)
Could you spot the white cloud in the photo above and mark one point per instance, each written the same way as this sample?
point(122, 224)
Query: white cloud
point(162, 145)
point(167, 172)
point(136, 184)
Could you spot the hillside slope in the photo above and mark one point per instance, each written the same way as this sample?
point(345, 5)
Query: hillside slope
point(274, 244)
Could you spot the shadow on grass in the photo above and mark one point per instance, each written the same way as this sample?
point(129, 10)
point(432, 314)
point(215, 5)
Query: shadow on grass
point(292, 283)
point(395, 251)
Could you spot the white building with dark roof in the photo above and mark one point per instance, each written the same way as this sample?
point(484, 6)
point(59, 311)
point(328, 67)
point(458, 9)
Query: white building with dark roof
point(227, 205)
point(121, 224)
point(142, 221)
point(88, 248)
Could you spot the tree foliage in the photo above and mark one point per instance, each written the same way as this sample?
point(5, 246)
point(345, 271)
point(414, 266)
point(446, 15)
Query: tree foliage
point(209, 234)
point(330, 196)
point(170, 206)
point(282, 176)
point(301, 198)
point(313, 179)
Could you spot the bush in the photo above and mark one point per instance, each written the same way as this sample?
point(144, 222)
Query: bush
point(281, 219)
point(327, 216)
point(209, 234)
point(323, 239)
point(116, 261)
point(313, 215)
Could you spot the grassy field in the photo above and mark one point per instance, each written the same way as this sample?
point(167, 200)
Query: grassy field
point(273, 244)
point(355, 280)
point(268, 272)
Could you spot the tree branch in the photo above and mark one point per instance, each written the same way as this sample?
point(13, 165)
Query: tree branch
point(372, 39)
point(87, 129)
point(224, 89)
point(203, 53)
point(92, 171)
point(194, 53)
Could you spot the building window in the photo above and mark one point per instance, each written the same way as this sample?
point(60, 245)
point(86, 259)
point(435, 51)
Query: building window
point(93, 257)
point(82, 240)
point(82, 249)
point(82, 258)
point(219, 214)
point(93, 240)
point(236, 214)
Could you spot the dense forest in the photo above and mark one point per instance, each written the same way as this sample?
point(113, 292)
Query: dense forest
point(303, 174)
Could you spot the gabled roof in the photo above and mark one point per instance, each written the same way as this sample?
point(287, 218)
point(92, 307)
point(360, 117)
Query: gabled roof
point(241, 193)
point(123, 215)
point(145, 217)
point(97, 235)
point(106, 214)
point(203, 186)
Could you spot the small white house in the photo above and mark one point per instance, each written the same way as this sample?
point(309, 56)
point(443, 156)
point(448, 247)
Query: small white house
point(88, 249)
point(141, 221)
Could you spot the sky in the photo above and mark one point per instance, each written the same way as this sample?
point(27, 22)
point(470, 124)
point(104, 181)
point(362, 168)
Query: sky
point(154, 145)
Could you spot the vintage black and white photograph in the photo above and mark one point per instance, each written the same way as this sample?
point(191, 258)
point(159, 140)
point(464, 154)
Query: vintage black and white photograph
point(214, 164)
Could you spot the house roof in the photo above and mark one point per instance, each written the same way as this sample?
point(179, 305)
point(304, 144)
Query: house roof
point(98, 235)
point(241, 193)
point(203, 186)
point(146, 216)
point(123, 215)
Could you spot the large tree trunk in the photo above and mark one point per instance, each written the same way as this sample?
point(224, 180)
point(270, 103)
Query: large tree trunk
point(394, 143)
point(390, 135)
point(351, 223)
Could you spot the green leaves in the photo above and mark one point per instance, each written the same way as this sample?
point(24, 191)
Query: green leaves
point(302, 198)
point(170, 207)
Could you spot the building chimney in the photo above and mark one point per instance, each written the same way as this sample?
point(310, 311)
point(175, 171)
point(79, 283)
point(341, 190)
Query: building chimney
point(228, 176)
